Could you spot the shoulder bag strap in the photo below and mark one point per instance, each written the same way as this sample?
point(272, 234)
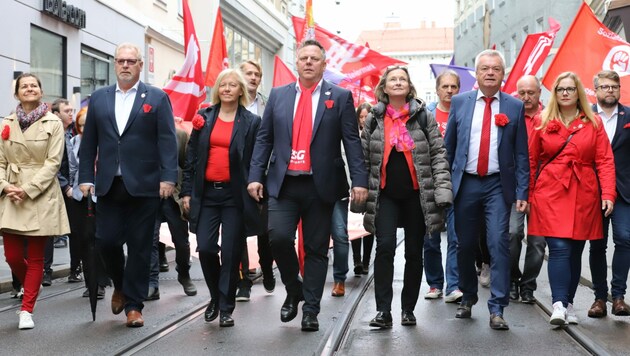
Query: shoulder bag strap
point(554, 156)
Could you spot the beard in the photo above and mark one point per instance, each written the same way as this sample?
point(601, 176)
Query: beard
point(608, 102)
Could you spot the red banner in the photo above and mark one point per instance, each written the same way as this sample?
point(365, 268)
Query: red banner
point(281, 73)
point(186, 89)
point(588, 48)
point(218, 57)
point(532, 55)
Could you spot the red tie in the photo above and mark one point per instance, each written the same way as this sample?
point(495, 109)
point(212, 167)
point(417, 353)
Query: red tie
point(484, 145)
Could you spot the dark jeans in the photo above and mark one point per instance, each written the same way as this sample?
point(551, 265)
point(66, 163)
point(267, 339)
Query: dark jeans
point(433, 257)
point(564, 266)
point(408, 213)
point(533, 256)
point(297, 200)
point(341, 246)
point(170, 212)
point(621, 257)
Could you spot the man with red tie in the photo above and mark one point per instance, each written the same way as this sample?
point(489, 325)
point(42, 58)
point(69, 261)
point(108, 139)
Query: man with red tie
point(486, 140)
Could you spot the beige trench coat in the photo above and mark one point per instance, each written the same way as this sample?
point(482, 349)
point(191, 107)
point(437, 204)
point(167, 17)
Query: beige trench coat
point(31, 160)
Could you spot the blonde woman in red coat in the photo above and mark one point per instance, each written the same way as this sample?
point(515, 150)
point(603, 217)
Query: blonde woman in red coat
point(572, 181)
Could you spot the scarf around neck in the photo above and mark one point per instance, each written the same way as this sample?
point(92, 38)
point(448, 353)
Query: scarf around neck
point(399, 136)
point(26, 120)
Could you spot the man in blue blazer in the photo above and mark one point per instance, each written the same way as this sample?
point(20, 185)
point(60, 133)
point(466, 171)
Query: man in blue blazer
point(616, 119)
point(486, 140)
point(300, 141)
point(130, 135)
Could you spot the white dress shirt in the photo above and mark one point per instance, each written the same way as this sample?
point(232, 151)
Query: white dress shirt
point(124, 103)
point(314, 99)
point(610, 123)
point(475, 136)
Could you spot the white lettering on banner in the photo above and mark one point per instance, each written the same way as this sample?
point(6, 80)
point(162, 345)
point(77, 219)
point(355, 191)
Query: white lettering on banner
point(297, 156)
point(618, 59)
point(608, 34)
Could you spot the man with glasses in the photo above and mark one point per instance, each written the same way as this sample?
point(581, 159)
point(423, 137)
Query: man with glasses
point(486, 140)
point(130, 126)
point(616, 119)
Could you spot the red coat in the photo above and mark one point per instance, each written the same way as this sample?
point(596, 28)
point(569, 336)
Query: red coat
point(566, 200)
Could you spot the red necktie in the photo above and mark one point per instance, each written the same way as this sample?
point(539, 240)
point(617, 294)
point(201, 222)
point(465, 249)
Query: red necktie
point(484, 145)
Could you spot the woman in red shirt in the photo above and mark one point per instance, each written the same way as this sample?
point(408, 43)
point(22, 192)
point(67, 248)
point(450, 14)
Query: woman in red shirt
point(214, 190)
point(572, 180)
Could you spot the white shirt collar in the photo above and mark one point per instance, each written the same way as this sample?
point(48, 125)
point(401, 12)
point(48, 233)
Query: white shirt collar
point(134, 87)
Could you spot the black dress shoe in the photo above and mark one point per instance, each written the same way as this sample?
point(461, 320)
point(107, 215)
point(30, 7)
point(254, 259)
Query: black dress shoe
point(527, 297)
point(290, 307)
point(464, 310)
point(226, 320)
point(186, 282)
point(498, 323)
point(309, 322)
point(47, 279)
point(212, 311)
point(407, 318)
point(513, 291)
point(154, 294)
point(383, 320)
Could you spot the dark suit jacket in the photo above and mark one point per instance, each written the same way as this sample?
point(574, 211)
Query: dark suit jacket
point(621, 150)
point(146, 150)
point(331, 126)
point(242, 142)
point(512, 145)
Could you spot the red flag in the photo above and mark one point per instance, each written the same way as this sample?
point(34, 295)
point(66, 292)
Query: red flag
point(588, 48)
point(281, 73)
point(352, 60)
point(218, 57)
point(186, 89)
point(532, 55)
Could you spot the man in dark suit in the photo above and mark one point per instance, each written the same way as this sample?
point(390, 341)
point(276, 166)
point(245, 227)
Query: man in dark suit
point(616, 120)
point(303, 125)
point(486, 139)
point(130, 134)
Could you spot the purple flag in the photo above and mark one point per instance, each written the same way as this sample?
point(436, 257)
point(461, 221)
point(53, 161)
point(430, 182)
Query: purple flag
point(466, 75)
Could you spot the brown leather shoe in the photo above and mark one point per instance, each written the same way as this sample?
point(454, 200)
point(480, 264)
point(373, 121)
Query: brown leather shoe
point(598, 309)
point(339, 289)
point(134, 319)
point(620, 308)
point(118, 302)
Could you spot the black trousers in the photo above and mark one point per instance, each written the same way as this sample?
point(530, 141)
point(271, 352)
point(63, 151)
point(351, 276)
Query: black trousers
point(297, 200)
point(124, 219)
point(265, 256)
point(391, 214)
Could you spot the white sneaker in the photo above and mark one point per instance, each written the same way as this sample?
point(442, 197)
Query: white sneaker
point(571, 316)
point(484, 276)
point(26, 320)
point(559, 315)
point(433, 293)
point(453, 296)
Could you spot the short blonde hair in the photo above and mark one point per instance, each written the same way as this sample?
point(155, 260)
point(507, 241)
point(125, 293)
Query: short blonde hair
point(243, 99)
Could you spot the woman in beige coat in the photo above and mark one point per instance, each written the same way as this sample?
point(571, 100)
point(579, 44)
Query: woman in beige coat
point(31, 202)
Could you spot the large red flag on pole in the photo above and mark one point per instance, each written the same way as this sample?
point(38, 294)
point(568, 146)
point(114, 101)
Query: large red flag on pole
point(588, 48)
point(532, 55)
point(218, 56)
point(282, 75)
point(186, 89)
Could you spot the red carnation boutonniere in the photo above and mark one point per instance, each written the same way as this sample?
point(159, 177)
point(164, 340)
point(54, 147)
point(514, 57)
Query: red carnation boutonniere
point(626, 126)
point(146, 108)
point(552, 126)
point(6, 132)
point(329, 103)
point(198, 122)
point(501, 120)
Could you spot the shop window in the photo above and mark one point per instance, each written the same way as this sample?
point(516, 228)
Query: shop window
point(97, 70)
point(48, 58)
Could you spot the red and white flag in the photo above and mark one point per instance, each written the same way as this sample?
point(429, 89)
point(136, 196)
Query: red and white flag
point(352, 60)
point(588, 48)
point(218, 57)
point(186, 89)
point(532, 55)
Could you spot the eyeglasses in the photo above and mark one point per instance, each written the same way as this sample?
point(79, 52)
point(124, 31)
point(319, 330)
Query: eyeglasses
point(569, 90)
point(391, 68)
point(130, 62)
point(609, 87)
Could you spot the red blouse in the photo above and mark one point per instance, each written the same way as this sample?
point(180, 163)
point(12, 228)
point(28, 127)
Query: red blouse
point(218, 165)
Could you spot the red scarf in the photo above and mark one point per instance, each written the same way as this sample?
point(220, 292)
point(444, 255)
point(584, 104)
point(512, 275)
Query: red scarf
point(302, 131)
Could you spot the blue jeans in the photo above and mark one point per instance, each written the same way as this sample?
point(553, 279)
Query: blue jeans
point(341, 246)
point(621, 256)
point(433, 257)
point(564, 267)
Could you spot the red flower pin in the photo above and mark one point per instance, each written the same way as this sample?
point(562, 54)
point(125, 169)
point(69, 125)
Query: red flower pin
point(501, 120)
point(198, 122)
point(553, 126)
point(329, 103)
point(626, 126)
point(146, 107)
point(6, 131)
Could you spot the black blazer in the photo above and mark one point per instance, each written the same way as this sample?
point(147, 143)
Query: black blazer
point(621, 150)
point(242, 142)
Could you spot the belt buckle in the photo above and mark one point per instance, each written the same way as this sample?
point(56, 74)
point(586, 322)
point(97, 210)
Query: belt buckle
point(217, 185)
